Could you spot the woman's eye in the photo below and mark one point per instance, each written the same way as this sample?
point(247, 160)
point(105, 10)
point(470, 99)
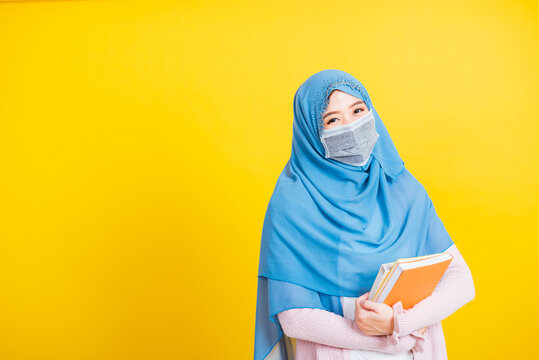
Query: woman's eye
point(331, 120)
point(356, 110)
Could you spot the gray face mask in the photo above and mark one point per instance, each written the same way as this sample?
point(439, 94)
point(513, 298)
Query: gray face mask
point(351, 143)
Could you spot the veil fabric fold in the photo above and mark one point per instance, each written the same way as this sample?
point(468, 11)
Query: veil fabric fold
point(329, 225)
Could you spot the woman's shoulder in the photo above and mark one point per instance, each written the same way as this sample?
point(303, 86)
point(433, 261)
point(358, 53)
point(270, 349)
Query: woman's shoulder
point(409, 184)
point(407, 176)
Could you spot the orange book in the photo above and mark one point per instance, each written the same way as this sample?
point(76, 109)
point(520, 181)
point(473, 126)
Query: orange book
point(409, 280)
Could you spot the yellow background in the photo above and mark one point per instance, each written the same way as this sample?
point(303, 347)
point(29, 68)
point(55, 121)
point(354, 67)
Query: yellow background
point(141, 141)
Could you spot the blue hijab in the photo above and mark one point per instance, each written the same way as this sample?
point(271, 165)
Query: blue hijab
point(329, 225)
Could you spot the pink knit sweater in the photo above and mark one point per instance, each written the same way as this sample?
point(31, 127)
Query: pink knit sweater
point(322, 334)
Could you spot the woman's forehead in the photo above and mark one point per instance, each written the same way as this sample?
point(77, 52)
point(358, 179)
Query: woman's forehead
point(339, 94)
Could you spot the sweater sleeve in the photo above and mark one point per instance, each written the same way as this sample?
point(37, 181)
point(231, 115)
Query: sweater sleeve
point(455, 289)
point(327, 328)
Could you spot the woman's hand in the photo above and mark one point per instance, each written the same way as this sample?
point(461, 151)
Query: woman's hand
point(373, 318)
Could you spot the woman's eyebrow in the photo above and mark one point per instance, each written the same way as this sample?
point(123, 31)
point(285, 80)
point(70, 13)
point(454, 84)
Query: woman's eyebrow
point(354, 104)
point(357, 102)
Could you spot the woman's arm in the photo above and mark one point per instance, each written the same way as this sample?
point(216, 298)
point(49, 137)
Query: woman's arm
point(455, 289)
point(325, 327)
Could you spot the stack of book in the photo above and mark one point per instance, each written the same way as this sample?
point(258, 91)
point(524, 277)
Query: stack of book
point(409, 280)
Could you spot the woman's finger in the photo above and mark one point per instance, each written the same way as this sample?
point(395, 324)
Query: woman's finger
point(371, 305)
point(364, 296)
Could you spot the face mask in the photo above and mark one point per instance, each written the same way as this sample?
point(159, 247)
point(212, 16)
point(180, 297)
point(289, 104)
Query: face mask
point(351, 143)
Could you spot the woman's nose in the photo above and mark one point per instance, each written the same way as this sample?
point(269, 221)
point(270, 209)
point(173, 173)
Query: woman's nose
point(348, 120)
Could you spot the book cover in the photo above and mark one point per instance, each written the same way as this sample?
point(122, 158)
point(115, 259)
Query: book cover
point(409, 280)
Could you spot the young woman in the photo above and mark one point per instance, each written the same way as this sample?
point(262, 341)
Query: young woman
point(343, 205)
